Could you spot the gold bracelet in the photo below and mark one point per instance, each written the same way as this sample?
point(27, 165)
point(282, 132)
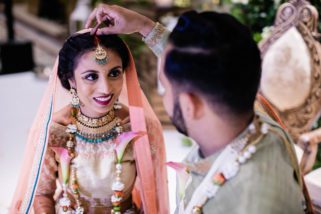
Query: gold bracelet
point(155, 35)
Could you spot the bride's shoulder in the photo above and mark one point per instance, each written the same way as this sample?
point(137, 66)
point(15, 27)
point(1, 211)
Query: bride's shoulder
point(122, 112)
point(123, 115)
point(59, 122)
point(63, 116)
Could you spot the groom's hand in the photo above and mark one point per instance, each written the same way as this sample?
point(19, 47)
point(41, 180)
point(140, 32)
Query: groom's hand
point(119, 20)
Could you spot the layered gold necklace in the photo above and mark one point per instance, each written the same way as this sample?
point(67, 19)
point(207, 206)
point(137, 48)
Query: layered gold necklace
point(96, 122)
point(96, 130)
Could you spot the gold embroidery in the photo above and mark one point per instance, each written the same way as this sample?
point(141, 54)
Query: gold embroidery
point(155, 35)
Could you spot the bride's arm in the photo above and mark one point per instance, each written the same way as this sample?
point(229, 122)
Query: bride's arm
point(44, 198)
point(44, 201)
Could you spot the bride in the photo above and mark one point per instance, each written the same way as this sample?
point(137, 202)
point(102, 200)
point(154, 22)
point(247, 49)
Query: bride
point(103, 152)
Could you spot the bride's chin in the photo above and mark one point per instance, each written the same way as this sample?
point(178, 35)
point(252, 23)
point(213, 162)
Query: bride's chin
point(104, 111)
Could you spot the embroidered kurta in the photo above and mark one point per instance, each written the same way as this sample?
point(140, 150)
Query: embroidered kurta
point(266, 183)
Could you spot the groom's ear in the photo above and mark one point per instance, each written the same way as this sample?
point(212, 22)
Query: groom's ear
point(192, 106)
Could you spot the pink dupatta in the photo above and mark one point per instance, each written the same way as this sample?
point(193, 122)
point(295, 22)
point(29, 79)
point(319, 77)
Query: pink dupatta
point(151, 184)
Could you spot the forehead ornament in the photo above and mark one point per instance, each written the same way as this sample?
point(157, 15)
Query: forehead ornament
point(100, 53)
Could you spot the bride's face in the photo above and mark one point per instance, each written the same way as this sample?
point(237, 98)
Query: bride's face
point(98, 86)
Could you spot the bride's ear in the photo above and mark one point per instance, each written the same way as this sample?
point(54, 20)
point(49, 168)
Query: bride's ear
point(72, 83)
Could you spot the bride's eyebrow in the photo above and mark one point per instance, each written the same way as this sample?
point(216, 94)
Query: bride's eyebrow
point(116, 67)
point(89, 71)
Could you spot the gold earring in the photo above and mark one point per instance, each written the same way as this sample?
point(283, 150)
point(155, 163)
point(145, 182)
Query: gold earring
point(117, 105)
point(75, 102)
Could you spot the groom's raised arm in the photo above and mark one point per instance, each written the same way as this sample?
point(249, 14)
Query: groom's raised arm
point(124, 21)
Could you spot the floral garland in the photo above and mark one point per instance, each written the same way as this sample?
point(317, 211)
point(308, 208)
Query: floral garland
point(225, 167)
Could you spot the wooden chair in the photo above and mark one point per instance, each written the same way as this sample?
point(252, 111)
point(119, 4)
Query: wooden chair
point(291, 77)
point(291, 74)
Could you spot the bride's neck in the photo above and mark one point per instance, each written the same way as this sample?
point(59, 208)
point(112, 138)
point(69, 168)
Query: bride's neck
point(93, 115)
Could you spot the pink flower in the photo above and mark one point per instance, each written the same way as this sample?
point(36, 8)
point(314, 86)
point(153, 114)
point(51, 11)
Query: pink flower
point(123, 140)
point(64, 158)
point(184, 177)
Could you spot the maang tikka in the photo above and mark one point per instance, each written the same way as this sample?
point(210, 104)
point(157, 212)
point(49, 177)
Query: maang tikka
point(100, 53)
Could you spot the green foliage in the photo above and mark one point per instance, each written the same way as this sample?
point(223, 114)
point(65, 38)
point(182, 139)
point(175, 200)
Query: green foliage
point(258, 14)
point(187, 142)
point(317, 163)
point(135, 44)
point(317, 4)
point(257, 37)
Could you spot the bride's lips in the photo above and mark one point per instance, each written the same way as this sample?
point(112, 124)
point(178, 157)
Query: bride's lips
point(103, 100)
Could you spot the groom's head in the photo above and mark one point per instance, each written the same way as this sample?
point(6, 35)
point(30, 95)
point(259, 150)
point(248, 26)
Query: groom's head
point(211, 59)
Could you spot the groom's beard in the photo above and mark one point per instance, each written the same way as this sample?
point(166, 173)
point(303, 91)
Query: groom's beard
point(177, 119)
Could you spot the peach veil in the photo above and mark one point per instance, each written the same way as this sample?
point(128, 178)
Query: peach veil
point(151, 183)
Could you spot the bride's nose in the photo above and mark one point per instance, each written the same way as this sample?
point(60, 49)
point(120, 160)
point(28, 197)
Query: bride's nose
point(104, 86)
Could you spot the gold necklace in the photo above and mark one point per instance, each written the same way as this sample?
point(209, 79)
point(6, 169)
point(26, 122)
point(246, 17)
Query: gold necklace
point(95, 122)
point(85, 130)
point(96, 130)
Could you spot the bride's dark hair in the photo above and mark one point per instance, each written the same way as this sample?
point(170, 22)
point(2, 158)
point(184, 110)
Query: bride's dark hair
point(78, 44)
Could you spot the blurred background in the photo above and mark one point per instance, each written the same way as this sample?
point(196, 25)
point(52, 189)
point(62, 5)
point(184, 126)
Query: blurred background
point(33, 31)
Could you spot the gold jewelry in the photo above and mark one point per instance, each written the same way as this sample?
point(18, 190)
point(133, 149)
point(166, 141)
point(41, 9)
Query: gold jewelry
point(95, 122)
point(98, 132)
point(75, 102)
point(197, 210)
point(153, 37)
point(100, 54)
point(117, 105)
point(154, 40)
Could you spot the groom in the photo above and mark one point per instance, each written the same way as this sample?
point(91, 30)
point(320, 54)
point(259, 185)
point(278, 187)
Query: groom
point(211, 68)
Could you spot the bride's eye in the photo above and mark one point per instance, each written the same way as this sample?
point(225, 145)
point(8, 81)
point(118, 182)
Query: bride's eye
point(91, 77)
point(115, 73)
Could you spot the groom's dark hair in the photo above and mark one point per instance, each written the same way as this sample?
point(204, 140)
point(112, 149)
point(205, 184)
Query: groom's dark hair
point(213, 54)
